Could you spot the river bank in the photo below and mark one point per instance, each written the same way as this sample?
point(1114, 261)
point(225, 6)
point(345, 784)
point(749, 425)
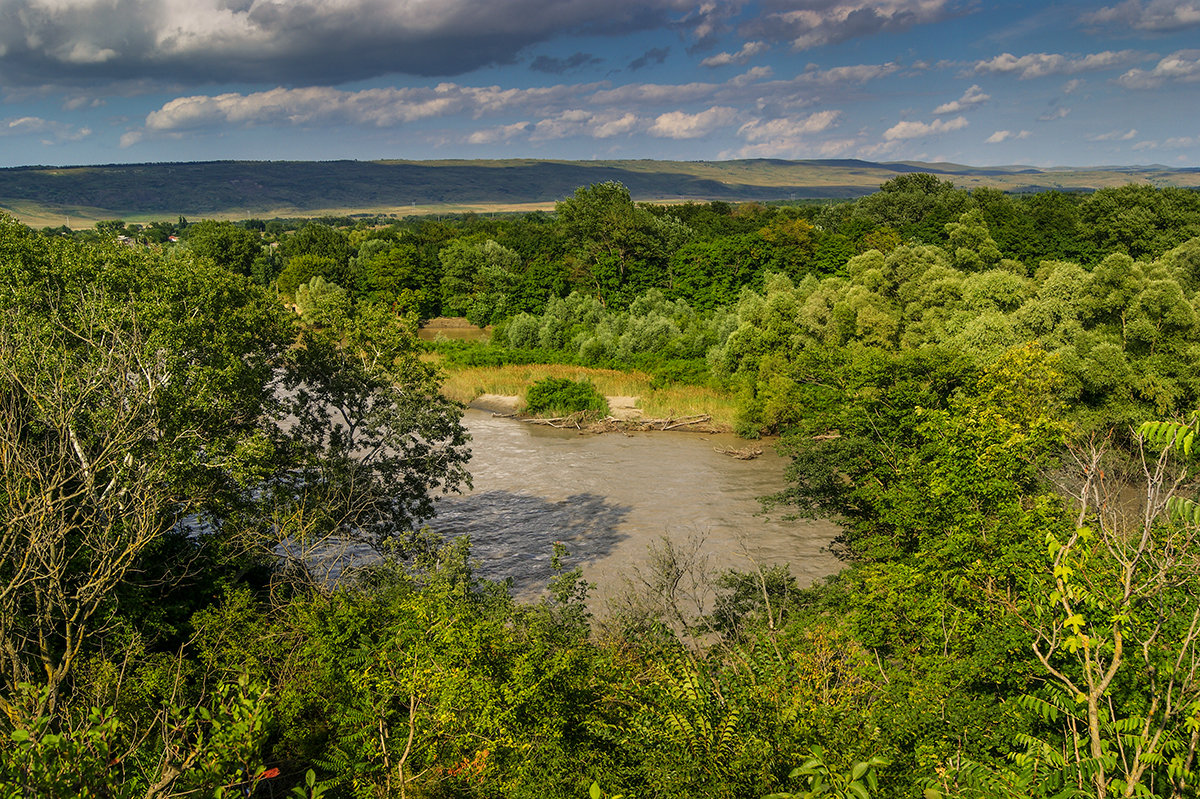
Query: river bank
point(631, 396)
point(624, 416)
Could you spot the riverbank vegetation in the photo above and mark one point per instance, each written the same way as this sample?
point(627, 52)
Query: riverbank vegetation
point(959, 378)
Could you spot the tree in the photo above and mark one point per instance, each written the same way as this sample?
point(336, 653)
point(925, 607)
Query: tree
point(300, 269)
point(131, 393)
point(366, 436)
point(396, 273)
point(321, 240)
point(620, 249)
point(228, 245)
point(479, 281)
point(143, 398)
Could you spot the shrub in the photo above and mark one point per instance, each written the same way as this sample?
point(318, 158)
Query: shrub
point(558, 396)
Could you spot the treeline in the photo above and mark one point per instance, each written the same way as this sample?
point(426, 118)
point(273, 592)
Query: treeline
point(602, 244)
point(1105, 280)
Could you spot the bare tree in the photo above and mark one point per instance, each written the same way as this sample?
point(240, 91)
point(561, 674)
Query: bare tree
point(86, 483)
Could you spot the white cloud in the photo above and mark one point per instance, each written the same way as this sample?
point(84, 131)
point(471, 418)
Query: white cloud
point(792, 137)
point(680, 125)
point(1114, 135)
point(1058, 113)
point(788, 128)
point(578, 122)
point(856, 73)
point(972, 97)
point(49, 131)
point(372, 107)
point(1038, 65)
point(915, 130)
point(498, 134)
point(82, 101)
point(653, 94)
point(751, 88)
point(1182, 65)
point(748, 51)
point(1004, 135)
point(1155, 16)
point(1072, 86)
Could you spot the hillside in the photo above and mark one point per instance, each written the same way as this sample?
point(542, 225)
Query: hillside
point(80, 195)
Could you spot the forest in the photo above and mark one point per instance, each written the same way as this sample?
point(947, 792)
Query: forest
point(993, 394)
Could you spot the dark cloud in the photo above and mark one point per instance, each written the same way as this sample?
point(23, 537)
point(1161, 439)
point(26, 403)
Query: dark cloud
point(557, 66)
point(655, 55)
point(812, 23)
point(293, 42)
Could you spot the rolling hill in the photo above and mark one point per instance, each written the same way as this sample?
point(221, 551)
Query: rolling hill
point(80, 195)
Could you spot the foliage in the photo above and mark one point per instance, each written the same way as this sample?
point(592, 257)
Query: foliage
point(859, 782)
point(557, 396)
point(209, 747)
point(230, 246)
point(165, 428)
point(953, 374)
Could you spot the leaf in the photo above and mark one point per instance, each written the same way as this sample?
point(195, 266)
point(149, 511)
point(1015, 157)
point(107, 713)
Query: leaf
point(595, 791)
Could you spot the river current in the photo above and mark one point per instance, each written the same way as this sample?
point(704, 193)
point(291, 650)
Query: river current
point(609, 497)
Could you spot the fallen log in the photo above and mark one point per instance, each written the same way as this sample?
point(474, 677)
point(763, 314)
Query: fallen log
point(747, 454)
point(685, 421)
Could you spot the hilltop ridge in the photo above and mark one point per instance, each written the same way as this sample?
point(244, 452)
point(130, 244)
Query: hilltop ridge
point(232, 189)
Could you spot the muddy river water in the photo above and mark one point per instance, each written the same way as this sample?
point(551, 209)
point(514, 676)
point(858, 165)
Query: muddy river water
point(609, 497)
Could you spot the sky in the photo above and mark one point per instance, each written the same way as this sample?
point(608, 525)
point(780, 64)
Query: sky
point(971, 82)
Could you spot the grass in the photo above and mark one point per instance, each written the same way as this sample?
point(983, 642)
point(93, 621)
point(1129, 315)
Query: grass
point(466, 383)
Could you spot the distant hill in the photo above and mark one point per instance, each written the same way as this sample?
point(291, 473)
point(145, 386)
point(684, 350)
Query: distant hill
point(236, 189)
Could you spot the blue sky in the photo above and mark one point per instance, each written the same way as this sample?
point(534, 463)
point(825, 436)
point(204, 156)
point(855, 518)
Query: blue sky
point(1045, 84)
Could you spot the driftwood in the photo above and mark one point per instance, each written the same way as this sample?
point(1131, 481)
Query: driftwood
point(747, 454)
point(611, 424)
point(686, 421)
point(562, 422)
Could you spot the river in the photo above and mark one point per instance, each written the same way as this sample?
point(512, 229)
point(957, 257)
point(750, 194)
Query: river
point(610, 497)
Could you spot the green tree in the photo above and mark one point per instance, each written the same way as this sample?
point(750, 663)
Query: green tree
point(157, 407)
point(228, 245)
point(620, 249)
point(479, 281)
point(300, 269)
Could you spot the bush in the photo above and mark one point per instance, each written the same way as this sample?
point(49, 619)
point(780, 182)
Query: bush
point(558, 396)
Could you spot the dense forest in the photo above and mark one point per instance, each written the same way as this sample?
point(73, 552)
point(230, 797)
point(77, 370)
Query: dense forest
point(993, 394)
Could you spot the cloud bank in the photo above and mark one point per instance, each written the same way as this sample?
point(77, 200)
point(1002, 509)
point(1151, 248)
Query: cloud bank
point(293, 42)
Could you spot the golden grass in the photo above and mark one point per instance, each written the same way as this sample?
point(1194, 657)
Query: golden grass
point(680, 400)
point(466, 383)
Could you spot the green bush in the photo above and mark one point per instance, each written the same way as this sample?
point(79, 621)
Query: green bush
point(558, 396)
